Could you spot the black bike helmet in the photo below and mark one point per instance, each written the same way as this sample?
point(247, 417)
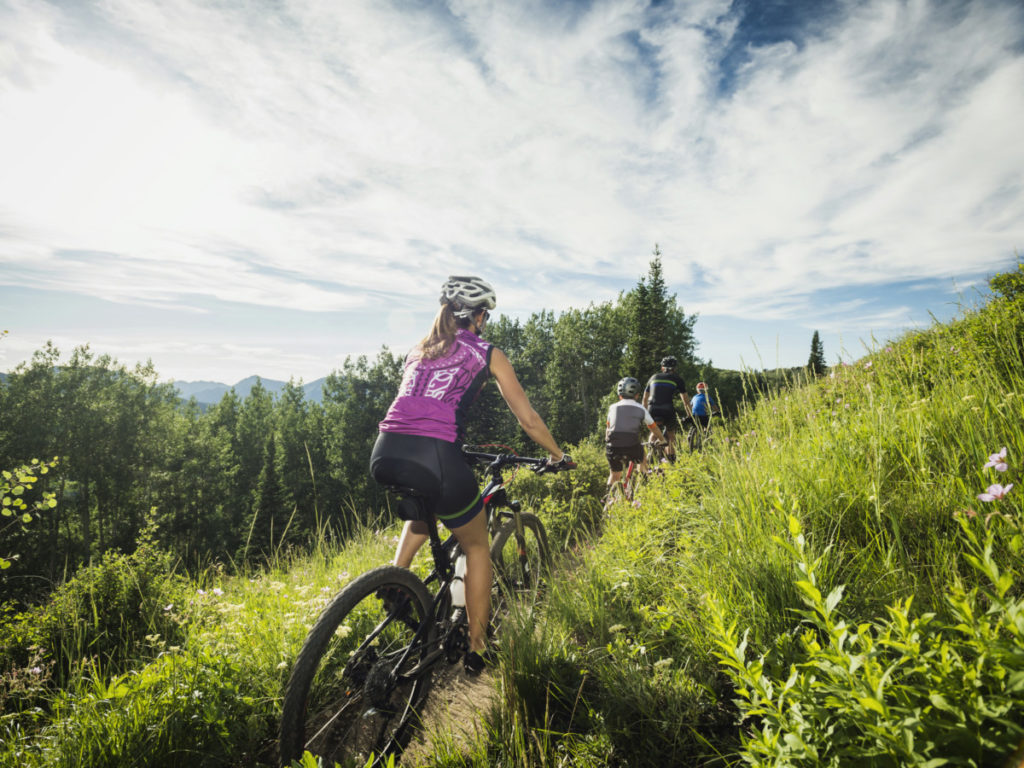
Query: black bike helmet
point(628, 387)
point(669, 362)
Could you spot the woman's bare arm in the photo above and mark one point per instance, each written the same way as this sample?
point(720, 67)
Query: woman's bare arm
point(519, 403)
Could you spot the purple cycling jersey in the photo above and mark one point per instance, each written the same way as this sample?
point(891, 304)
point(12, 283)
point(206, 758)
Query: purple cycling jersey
point(434, 394)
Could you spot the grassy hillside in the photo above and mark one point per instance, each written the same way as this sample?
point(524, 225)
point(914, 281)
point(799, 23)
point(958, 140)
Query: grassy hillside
point(823, 586)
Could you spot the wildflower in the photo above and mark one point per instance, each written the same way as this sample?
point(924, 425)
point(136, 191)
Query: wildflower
point(283, 665)
point(36, 670)
point(995, 492)
point(888, 349)
point(218, 591)
point(998, 461)
point(867, 365)
point(168, 607)
point(200, 592)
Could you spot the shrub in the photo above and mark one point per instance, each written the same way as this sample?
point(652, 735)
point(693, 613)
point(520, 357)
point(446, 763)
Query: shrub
point(569, 502)
point(903, 690)
point(106, 612)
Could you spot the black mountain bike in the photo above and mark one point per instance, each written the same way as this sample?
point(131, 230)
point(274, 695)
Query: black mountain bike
point(365, 666)
point(697, 436)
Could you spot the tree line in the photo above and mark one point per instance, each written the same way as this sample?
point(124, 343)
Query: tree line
point(252, 474)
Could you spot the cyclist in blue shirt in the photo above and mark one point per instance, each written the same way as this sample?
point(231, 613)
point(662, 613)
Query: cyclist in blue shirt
point(703, 406)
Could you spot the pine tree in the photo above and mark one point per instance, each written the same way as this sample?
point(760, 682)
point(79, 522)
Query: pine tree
point(657, 326)
point(816, 362)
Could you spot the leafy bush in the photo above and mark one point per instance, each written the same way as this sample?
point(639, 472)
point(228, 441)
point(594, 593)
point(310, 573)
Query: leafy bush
point(1009, 285)
point(568, 502)
point(904, 690)
point(14, 485)
point(109, 612)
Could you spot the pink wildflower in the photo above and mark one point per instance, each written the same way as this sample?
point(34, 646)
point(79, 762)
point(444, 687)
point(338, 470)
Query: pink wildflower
point(995, 492)
point(998, 461)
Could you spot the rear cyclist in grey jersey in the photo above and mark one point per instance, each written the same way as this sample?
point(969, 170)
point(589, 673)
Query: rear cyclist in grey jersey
point(622, 437)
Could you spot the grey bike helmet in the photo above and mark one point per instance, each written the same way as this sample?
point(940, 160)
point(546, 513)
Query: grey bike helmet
point(467, 295)
point(668, 362)
point(628, 387)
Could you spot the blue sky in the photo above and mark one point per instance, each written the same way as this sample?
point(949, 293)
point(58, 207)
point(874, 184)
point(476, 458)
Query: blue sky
point(267, 187)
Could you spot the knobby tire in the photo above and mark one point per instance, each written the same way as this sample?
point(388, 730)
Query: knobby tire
point(345, 698)
point(520, 566)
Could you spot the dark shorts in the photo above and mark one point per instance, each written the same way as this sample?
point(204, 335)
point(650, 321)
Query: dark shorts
point(435, 468)
point(617, 457)
point(665, 418)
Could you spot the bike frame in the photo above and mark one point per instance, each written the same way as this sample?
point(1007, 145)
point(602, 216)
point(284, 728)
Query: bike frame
point(444, 552)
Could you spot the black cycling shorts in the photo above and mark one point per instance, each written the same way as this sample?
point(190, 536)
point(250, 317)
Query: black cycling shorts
point(663, 417)
point(619, 456)
point(435, 468)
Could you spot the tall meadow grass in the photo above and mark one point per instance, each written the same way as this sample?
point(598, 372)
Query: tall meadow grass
point(834, 580)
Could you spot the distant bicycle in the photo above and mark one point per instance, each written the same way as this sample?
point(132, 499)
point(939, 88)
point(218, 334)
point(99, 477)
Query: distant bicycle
point(697, 437)
point(366, 664)
point(655, 452)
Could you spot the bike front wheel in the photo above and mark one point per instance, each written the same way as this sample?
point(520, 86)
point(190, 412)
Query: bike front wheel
point(520, 561)
point(356, 682)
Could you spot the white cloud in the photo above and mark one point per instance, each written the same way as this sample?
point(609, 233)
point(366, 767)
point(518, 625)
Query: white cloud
point(327, 157)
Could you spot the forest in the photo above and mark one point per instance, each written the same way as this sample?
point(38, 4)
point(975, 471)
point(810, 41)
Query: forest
point(835, 580)
point(256, 474)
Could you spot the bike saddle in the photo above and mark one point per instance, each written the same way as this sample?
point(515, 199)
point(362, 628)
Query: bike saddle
point(412, 504)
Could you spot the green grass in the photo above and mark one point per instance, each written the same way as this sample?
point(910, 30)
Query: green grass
point(820, 586)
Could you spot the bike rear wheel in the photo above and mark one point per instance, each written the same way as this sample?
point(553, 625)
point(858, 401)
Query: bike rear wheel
point(520, 561)
point(350, 693)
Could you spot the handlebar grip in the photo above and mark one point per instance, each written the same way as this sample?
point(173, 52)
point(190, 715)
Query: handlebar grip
point(565, 463)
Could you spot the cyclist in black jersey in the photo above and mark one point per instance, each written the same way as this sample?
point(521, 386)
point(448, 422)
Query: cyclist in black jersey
point(659, 399)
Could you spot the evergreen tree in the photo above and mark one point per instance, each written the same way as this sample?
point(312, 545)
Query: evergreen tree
point(656, 327)
point(816, 362)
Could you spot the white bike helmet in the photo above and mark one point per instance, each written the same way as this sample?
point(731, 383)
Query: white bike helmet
point(467, 295)
point(628, 387)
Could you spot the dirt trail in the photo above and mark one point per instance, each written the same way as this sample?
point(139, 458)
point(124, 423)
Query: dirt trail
point(453, 709)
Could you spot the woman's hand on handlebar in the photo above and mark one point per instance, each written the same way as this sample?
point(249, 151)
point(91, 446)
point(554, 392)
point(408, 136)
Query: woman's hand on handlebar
point(561, 465)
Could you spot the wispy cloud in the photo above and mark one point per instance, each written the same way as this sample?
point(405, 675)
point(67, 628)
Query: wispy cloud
point(329, 157)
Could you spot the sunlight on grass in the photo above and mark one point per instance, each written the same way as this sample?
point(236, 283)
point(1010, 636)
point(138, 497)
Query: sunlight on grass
point(836, 577)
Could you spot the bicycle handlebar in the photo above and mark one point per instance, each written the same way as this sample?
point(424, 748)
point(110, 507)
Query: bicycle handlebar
point(498, 461)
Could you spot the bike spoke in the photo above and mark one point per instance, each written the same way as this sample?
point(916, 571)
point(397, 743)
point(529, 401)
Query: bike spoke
point(353, 692)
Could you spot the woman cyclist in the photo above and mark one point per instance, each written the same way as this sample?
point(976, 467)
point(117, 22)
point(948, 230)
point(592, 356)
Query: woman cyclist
point(419, 445)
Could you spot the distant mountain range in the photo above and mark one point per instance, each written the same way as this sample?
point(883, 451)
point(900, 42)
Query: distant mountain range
point(210, 392)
